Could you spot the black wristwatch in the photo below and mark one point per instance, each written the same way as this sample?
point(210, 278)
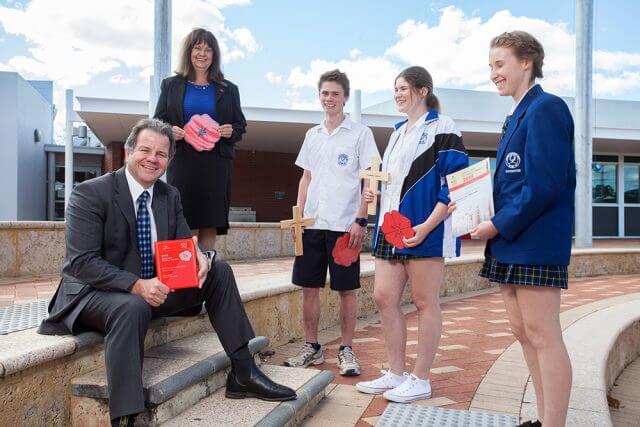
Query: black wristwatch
point(362, 222)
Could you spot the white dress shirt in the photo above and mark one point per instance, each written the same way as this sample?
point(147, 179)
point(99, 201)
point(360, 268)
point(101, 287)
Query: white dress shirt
point(136, 190)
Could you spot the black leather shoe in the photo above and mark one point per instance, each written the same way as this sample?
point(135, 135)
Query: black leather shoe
point(258, 385)
point(526, 424)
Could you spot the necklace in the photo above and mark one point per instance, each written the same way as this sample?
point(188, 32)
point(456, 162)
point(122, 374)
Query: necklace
point(201, 87)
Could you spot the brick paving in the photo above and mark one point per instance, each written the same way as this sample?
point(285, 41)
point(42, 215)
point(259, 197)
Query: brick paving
point(475, 334)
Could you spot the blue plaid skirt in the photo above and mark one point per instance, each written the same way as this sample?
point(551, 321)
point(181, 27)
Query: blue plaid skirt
point(384, 250)
point(551, 276)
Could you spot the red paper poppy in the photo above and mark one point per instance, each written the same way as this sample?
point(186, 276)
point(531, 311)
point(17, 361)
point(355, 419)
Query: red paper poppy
point(202, 132)
point(343, 254)
point(396, 226)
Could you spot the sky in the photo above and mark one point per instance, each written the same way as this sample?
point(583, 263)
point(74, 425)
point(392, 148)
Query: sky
point(275, 50)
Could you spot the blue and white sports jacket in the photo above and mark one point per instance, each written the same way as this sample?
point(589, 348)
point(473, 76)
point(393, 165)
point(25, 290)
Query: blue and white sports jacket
point(438, 152)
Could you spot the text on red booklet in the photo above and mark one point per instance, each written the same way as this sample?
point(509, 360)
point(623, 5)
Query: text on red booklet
point(176, 263)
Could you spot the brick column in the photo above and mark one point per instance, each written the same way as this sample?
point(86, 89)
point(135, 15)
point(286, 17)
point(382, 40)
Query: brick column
point(113, 157)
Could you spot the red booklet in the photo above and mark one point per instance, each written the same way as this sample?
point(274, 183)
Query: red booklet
point(176, 263)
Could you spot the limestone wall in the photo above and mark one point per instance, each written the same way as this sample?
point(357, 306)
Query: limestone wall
point(37, 247)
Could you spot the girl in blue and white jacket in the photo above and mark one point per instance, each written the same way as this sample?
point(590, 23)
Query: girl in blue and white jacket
point(422, 150)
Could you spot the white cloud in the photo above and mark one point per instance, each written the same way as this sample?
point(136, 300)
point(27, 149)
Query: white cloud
point(455, 51)
point(615, 85)
point(615, 61)
point(245, 39)
point(71, 44)
point(273, 78)
point(120, 79)
point(369, 74)
point(296, 102)
point(354, 53)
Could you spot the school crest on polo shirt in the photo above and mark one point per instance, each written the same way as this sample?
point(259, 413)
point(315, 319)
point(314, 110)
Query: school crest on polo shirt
point(343, 159)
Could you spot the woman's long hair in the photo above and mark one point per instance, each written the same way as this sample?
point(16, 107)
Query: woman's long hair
point(185, 67)
point(418, 77)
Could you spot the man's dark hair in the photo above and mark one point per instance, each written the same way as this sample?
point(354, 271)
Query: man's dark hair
point(155, 125)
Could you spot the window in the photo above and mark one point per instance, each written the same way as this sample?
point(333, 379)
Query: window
point(632, 184)
point(605, 183)
point(80, 174)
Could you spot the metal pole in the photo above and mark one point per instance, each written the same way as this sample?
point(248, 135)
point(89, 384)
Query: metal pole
point(583, 123)
point(161, 50)
point(68, 147)
point(356, 113)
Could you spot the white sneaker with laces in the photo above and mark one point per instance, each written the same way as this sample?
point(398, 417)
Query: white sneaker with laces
point(348, 363)
point(410, 390)
point(387, 381)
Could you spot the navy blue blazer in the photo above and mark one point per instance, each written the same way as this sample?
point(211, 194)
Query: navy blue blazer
point(534, 183)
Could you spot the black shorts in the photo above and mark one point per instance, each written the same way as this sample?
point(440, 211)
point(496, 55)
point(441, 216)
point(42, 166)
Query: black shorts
point(310, 269)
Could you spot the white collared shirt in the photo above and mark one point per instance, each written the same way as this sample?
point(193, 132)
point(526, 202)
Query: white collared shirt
point(521, 98)
point(136, 190)
point(335, 161)
point(401, 157)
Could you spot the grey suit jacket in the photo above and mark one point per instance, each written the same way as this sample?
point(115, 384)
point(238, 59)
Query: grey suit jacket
point(100, 238)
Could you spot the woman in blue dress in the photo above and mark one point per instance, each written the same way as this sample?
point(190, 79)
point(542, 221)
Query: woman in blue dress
point(202, 177)
point(529, 238)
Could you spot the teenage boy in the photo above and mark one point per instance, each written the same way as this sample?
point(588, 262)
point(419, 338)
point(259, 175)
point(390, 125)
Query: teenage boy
point(332, 155)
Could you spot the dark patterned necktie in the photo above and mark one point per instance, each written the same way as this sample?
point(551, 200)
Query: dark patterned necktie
point(505, 125)
point(143, 233)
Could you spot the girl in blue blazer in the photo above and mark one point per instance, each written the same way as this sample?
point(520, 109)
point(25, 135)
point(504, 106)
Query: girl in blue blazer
point(529, 238)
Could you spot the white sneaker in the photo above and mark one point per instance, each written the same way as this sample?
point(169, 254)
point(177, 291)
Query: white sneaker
point(387, 381)
point(410, 390)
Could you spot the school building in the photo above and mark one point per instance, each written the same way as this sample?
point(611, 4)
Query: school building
point(265, 178)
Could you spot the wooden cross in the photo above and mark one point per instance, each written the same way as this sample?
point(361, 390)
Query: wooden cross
point(297, 223)
point(374, 176)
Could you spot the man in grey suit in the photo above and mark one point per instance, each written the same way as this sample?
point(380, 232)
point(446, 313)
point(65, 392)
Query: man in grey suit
point(109, 285)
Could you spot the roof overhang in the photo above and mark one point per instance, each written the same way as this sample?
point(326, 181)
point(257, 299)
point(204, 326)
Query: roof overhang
point(282, 130)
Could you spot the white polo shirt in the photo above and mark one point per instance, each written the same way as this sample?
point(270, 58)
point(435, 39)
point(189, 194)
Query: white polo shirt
point(335, 160)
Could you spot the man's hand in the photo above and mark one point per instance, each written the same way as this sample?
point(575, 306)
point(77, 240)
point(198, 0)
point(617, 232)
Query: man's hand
point(202, 263)
point(484, 231)
point(153, 291)
point(357, 235)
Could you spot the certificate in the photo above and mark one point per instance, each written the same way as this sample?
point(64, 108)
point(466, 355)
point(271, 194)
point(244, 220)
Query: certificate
point(471, 190)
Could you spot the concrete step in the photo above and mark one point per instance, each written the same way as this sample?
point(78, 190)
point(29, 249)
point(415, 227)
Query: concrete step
point(217, 410)
point(176, 375)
